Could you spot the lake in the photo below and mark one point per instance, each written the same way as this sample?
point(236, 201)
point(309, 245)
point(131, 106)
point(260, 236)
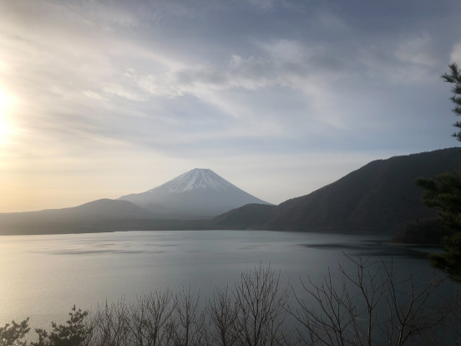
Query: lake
point(42, 277)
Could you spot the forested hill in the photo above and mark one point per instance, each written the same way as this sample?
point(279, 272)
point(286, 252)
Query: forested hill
point(373, 199)
point(249, 216)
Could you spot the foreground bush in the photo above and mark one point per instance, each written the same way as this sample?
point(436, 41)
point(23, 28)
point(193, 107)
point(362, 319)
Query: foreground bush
point(365, 308)
point(11, 334)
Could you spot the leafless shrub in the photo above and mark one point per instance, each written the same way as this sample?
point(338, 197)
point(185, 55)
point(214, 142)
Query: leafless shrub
point(110, 325)
point(150, 319)
point(188, 322)
point(368, 305)
point(261, 307)
point(147, 322)
point(412, 316)
point(222, 311)
point(370, 308)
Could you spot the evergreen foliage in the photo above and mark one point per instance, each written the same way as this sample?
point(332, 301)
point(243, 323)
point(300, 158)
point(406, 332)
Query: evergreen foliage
point(74, 333)
point(450, 260)
point(11, 334)
point(424, 231)
point(455, 78)
point(444, 192)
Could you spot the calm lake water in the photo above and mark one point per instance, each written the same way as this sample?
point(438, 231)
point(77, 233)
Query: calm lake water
point(42, 277)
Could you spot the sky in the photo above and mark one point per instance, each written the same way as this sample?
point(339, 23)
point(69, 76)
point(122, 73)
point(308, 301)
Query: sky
point(102, 98)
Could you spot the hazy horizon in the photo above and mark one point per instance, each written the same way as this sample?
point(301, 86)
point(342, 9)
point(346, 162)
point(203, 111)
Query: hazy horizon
point(100, 99)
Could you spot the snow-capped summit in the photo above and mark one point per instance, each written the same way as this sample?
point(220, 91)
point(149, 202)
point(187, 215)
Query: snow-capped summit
point(197, 193)
point(198, 178)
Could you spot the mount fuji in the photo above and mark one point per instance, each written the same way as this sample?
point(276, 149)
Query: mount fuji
point(199, 193)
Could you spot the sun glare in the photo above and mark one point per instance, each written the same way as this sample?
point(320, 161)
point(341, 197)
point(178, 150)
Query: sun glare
point(3, 100)
point(5, 105)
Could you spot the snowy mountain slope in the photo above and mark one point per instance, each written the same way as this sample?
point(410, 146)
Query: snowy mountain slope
point(199, 193)
point(195, 179)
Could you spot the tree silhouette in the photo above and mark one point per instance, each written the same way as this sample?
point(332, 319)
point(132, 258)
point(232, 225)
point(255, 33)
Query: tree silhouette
point(444, 192)
point(455, 78)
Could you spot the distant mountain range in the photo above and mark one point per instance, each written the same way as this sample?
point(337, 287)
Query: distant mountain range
point(375, 199)
point(199, 193)
point(102, 209)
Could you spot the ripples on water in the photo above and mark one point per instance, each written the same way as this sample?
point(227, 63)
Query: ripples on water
point(43, 276)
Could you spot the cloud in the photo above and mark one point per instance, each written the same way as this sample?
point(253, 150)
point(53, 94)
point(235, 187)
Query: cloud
point(417, 51)
point(101, 14)
point(250, 80)
point(273, 5)
point(93, 95)
point(264, 4)
point(283, 63)
point(455, 55)
point(405, 67)
point(332, 22)
point(286, 51)
point(121, 91)
point(248, 73)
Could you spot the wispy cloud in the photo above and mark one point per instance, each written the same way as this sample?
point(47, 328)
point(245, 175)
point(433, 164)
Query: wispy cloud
point(168, 84)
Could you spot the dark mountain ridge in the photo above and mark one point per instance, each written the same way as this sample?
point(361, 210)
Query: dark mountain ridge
point(82, 218)
point(102, 209)
point(373, 199)
point(247, 217)
point(377, 198)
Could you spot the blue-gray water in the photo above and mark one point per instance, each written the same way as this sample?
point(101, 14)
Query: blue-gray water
point(42, 277)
